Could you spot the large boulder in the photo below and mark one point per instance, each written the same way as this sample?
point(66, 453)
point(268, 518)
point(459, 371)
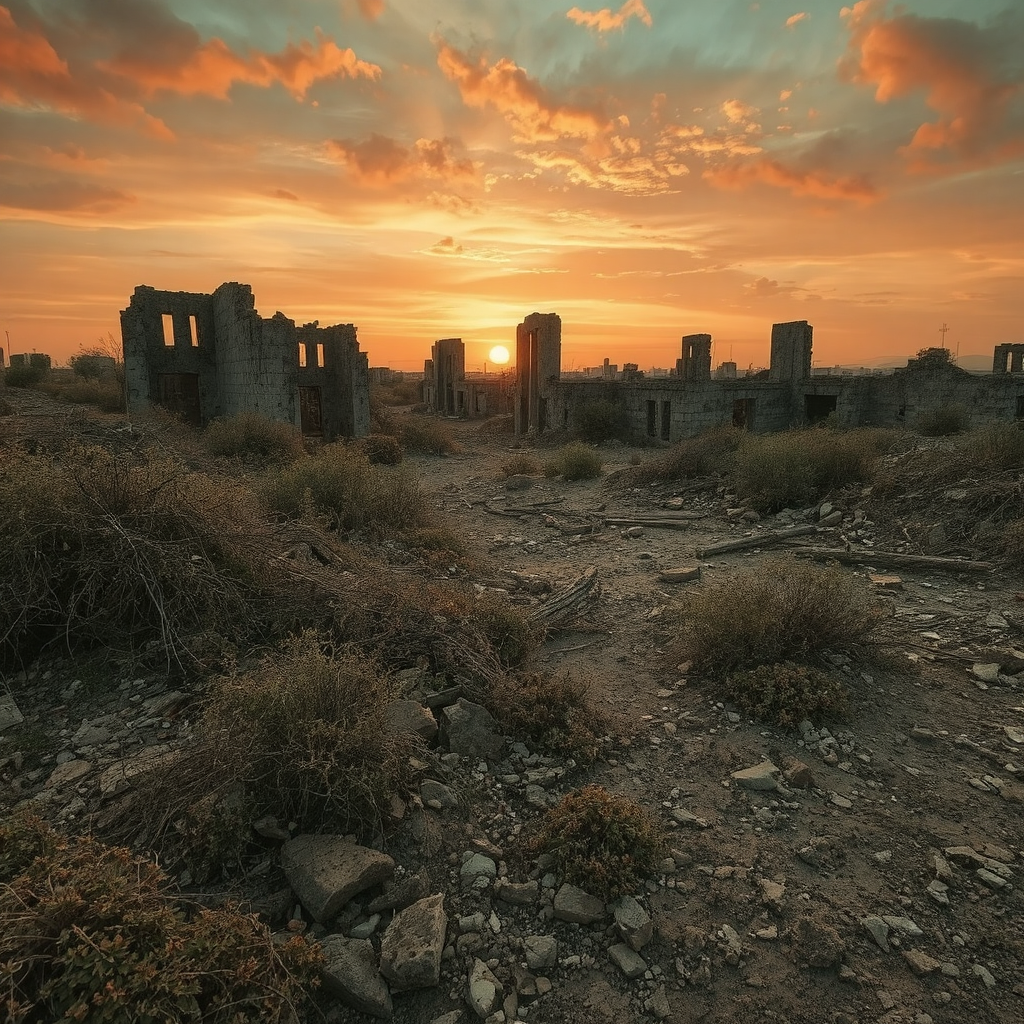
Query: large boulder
point(412, 716)
point(472, 732)
point(410, 952)
point(350, 973)
point(574, 905)
point(325, 872)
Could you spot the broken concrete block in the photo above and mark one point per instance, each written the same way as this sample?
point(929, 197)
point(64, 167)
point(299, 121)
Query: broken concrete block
point(761, 777)
point(350, 973)
point(683, 574)
point(576, 906)
point(410, 952)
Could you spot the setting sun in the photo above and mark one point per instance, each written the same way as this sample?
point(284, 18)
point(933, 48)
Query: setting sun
point(498, 355)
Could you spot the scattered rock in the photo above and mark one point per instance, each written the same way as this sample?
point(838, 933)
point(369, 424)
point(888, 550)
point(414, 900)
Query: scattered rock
point(921, 963)
point(633, 922)
point(9, 713)
point(477, 871)
point(350, 973)
point(683, 574)
point(878, 930)
point(325, 872)
point(540, 951)
point(628, 960)
point(436, 793)
point(986, 672)
point(576, 906)
point(472, 732)
point(411, 716)
point(761, 777)
point(483, 990)
point(410, 952)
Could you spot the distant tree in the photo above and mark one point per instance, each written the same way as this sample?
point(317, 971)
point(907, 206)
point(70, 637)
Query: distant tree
point(103, 359)
point(934, 357)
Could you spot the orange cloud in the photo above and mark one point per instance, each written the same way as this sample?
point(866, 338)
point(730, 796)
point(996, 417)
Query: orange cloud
point(371, 9)
point(605, 20)
point(212, 68)
point(380, 160)
point(814, 183)
point(954, 62)
point(795, 19)
point(34, 76)
point(739, 112)
point(525, 104)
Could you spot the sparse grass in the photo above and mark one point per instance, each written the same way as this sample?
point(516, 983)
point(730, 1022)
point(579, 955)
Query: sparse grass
point(797, 468)
point(495, 426)
point(250, 435)
point(107, 394)
point(778, 611)
point(703, 455)
point(943, 421)
point(97, 547)
point(426, 435)
point(785, 693)
point(521, 464)
point(994, 448)
point(606, 844)
point(601, 421)
point(511, 634)
point(552, 712)
point(340, 483)
point(90, 933)
point(575, 461)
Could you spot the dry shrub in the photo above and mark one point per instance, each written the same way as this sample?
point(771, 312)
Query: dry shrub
point(382, 449)
point(552, 712)
point(606, 844)
point(495, 426)
point(575, 461)
point(91, 933)
point(340, 483)
point(119, 549)
point(777, 611)
point(944, 421)
point(251, 435)
point(426, 435)
point(797, 468)
point(107, 394)
point(786, 693)
point(510, 632)
point(703, 455)
point(520, 464)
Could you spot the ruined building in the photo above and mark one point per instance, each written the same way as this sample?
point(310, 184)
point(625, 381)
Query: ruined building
point(450, 391)
point(784, 396)
point(207, 356)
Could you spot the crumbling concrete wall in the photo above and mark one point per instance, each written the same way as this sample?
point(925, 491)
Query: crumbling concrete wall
point(538, 367)
point(444, 373)
point(205, 356)
point(695, 363)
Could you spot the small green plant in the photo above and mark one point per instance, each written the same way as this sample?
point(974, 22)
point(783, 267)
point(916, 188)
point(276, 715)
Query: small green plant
point(250, 435)
point(785, 693)
point(382, 450)
point(520, 464)
point(90, 933)
point(943, 421)
point(601, 421)
point(779, 611)
point(575, 461)
point(553, 712)
point(606, 844)
point(340, 483)
point(426, 435)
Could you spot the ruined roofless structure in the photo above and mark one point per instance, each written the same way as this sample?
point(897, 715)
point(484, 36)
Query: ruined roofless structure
point(207, 356)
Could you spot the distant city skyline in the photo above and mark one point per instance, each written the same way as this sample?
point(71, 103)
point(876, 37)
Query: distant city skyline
point(437, 168)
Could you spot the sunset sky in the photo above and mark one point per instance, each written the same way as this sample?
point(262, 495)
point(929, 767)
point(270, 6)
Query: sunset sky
point(442, 168)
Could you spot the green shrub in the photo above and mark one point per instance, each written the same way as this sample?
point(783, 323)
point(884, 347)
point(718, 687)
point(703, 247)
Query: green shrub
point(426, 435)
point(510, 631)
point(339, 483)
point(785, 693)
point(707, 453)
point(121, 550)
point(777, 611)
point(251, 435)
point(553, 712)
point(601, 421)
point(90, 933)
point(943, 421)
point(799, 467)
point(576, 461)
point(606, 844)
point(382, 449)
point(520, 464)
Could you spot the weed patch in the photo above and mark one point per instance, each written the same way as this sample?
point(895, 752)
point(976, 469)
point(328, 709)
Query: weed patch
point(785, 693)
point(426, 435)
point(520, 464)
point(382, 450)
point(606, 844)
point(703, 455)
point(944, 421)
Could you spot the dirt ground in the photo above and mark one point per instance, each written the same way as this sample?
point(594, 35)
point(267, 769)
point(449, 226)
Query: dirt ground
point(762, 914)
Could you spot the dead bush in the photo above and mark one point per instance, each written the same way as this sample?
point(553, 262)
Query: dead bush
point(340, 484)
point(382, 449)
point(120, 549)
point(520, 464)
point(606, 844)
point(251, 435)
point(943, 421)
point(91, 933)
point(706, 454)
point(778, 611)
point(426, 435)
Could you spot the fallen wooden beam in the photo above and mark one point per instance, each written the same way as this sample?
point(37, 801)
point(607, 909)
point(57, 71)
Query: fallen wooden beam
point(761, 540)
point(677, 522)
point(569, 603)
point(893, 558)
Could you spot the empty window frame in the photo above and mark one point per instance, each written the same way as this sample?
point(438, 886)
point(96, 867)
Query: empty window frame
point(320, 355)
point(666, 420)
point(302, 353)
point(168, 322)
point(193, 331)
